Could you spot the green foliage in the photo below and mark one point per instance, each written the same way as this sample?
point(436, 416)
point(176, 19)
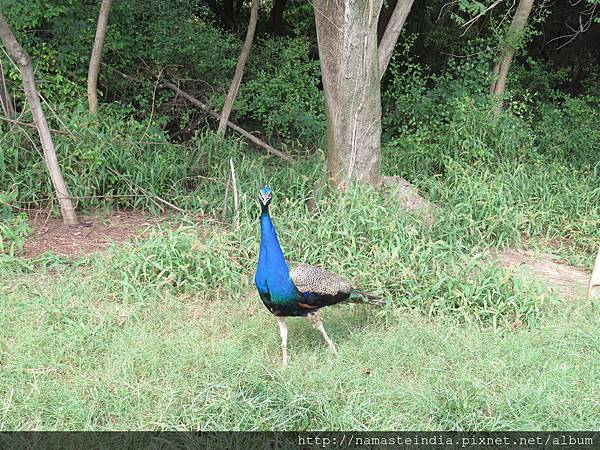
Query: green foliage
point(281, 91)
point(548, 201)
point(116, 161)
point(46, 29)
point(568, 131)
point(14, 229)
point(431, 119)
point(175, 35)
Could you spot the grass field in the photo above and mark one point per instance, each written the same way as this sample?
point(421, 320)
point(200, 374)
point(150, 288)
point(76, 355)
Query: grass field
point(74, 359)
point(167, 332)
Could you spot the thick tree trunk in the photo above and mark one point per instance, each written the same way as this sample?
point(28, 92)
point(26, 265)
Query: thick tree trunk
point(594, 289)
point(347, 38)
point(276, 17)
point(392, 31)
point(5, 100)
point(500, 71)
point(21, 57)
point(92, 81)
point(239, 69)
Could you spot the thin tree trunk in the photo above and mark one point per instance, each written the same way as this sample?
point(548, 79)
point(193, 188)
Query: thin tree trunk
point(500, 71)
point(21, 57)
point(5, 100)
point(92, 81)
point(594, 289)
point(347, 39)
point(392, 31)
point(239, 69)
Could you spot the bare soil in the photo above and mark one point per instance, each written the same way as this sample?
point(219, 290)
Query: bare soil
point(95, 233)
point(568, 282)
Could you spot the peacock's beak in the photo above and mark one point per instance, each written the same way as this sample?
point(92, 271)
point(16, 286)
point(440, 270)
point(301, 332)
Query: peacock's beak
point(264, 198)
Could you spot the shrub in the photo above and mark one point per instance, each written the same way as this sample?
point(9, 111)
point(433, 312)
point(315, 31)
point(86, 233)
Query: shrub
point(281, 91)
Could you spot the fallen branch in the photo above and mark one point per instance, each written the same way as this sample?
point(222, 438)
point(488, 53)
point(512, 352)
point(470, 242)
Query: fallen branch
point(236, 202)
point(28, 124)
point(216, 116)
point(594, 289)
point(149, 194)
point(470, 22)
point(231, 125)
point(224, 214)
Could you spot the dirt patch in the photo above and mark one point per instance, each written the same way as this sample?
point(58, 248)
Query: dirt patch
point(568, 282)
point(95, 233)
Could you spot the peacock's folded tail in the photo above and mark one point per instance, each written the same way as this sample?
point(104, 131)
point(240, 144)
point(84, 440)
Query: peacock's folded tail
point(366, 297)
point(321, 287)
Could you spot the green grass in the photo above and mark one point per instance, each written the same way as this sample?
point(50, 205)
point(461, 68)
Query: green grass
point(74, 358)
point(168, 332)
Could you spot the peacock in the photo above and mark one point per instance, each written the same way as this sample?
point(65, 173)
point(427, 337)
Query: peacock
point(302, 291)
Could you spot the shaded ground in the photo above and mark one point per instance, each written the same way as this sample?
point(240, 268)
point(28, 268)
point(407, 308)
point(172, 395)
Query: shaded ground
point(95, 233)
point(569, 283)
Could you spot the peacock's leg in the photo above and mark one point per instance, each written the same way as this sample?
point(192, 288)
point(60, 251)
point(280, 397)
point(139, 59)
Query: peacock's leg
point(283, 332)
point(318, 324)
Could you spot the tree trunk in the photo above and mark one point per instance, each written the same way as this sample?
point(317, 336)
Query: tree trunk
point(21, 57)
point(594, 289)
point(5, 100)
point(276, 17)
point(515, 33)
point(239, 69)
point(92, 80)
point(392, 31)
point(347, 39)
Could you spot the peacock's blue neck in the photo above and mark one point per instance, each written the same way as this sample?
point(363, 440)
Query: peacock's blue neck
point(270, 250)
point(273, 272)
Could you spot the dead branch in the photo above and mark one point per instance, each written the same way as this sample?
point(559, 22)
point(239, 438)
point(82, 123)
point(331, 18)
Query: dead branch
point(594, 289)
point(215, 115)
point(224, 214)
point(470, 22)
point(231, 125)
point(236, 202)
point(149, 194)
point(575, 32)
point(28, 124)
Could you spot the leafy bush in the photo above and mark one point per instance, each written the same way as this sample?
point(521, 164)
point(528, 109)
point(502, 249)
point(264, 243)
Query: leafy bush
point(431, 121)
point(116, 161)
point(570, 132)
point(13, 230)
point(281, 91)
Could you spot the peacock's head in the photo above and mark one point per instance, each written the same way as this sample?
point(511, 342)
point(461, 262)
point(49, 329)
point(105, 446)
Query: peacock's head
point(264, 196)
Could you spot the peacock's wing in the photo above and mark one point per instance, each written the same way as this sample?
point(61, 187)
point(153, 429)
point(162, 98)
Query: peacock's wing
point(320, 287)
